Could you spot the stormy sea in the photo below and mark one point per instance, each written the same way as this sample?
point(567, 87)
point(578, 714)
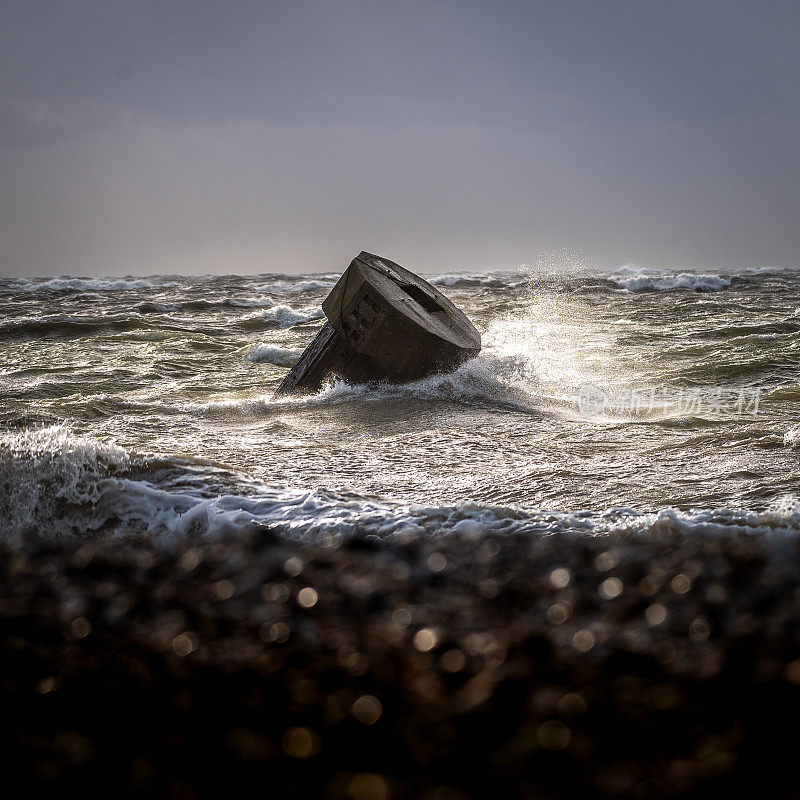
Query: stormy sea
point(568, 566)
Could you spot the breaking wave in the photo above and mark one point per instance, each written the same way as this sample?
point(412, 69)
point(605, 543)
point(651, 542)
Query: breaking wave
point(84, 284)
point(492, 280)
point(225, 303)
point(274, 354)
point(55, 484)
point(646, 281)
point(48, 478)
point(281, 316)
point(792, 437)
point(157, 308)
point(476, 383)
point(65, 326)
point(298, 286)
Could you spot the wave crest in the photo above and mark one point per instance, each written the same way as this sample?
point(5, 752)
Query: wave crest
point(281, 316)
point(491, 280)
point(55, 484)
point(792, 437)
point(50, 479)
point(65, 326)
point(274, 354)
point(645, 281)
point(298, 286)
point(84, 284)
point(478, 382)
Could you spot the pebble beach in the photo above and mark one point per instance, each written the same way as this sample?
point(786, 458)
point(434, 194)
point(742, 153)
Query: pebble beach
point(480, 666)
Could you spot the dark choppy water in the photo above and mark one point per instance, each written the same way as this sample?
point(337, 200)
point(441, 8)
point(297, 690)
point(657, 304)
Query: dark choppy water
point(624, 400)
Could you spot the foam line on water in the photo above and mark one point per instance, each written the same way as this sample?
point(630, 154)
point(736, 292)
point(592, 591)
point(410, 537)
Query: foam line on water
point(650, 281)
point(296, 287)
point(56, 484)
point(477, 382)
point(227, 303)
point(84, 284)
point(492, 280)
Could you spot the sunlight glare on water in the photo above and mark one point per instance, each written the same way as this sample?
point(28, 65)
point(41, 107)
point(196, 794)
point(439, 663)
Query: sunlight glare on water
point(181, 373)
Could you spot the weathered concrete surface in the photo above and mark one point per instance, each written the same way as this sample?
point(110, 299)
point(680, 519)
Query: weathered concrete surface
point(384, 323)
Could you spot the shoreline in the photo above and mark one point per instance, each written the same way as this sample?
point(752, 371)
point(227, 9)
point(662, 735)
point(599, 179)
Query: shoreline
point(488, 665)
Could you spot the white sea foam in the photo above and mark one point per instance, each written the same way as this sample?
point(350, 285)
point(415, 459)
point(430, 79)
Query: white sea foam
point(792, 437)
point(248, 302)
point(48, 477)
point(55, 484)
point(296, 287)
point(86, 284)
point(500, 279)
point(782, 518)
point(284, 316)
point(647, 280)
point(274, 354)
point(476, 382)
point(157, 308)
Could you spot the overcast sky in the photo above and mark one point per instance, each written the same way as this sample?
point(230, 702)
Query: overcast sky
point(160, 137)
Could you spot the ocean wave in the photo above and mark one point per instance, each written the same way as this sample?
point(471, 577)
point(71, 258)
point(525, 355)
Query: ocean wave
point(226, 302)
point(56, 484)
point(157, 308)
point(274, 354)
point(281, 316)
point(647, 281)
point(84, 284)
point(297, 286)
point(792, 437)
point(65, 326)
point(492, 280)
point(768, 270)
point(478, 382)
point(49, 478)
point(485, 380)
point(782, 518)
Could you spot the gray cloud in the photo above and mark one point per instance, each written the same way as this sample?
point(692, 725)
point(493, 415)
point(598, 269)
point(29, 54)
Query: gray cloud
point(214, 137)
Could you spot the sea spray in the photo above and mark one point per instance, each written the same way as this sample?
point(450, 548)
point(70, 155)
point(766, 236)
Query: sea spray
point(163, 371)
point(51, 481)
